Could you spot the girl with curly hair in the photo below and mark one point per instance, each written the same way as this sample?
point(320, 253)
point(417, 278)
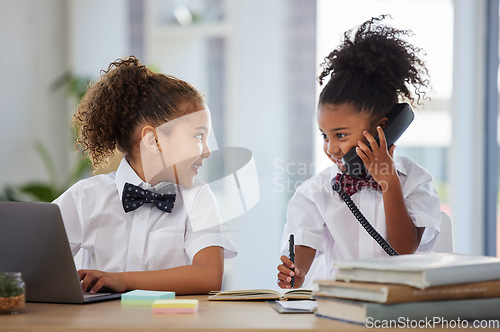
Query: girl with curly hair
point(373, 70)
point(149, 225)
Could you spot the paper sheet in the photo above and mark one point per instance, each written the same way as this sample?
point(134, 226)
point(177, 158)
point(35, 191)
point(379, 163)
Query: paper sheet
point(298, 305)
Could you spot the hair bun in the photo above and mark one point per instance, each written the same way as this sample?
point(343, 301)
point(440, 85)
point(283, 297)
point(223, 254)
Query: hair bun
point(377, 61)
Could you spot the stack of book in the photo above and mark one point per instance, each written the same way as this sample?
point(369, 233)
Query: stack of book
point(405, 290)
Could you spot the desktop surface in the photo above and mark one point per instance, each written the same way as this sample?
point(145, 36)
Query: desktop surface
point(211, 316)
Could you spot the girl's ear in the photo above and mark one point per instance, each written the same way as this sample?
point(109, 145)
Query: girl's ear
point(383, 122)
point(149, 139)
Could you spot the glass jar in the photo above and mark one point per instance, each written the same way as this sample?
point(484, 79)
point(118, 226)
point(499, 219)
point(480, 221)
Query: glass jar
point(12, 293)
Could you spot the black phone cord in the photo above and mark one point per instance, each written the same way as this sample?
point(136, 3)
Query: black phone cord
point(362, 220)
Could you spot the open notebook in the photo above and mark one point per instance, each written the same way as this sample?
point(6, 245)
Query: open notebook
point(33, 241)
point(261, 294)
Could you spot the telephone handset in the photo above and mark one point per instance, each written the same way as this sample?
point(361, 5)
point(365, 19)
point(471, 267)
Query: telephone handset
point(399, 118)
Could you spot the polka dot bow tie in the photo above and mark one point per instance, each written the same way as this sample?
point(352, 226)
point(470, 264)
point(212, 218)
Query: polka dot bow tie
point(133, 197)
point(351, 185)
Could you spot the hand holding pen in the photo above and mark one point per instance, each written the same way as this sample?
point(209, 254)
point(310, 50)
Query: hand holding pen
point(289, 275)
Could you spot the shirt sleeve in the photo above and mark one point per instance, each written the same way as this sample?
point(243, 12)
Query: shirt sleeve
point(69, 205)
point(424, 208)
point(205, 227)
point(304, 221)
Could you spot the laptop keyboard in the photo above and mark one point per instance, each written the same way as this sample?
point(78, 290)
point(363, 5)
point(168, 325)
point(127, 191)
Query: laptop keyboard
point(87, 295)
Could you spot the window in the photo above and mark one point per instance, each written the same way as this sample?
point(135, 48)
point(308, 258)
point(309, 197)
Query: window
point(427, 140)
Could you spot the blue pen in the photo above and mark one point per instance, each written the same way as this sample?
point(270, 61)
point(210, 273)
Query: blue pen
point(291, 250)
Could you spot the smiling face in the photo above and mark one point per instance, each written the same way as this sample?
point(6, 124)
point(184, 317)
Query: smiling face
point(341, 127)
point(177, 149)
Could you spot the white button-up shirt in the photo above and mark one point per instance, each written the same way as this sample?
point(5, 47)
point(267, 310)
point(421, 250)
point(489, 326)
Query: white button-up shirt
point(144, 239)
point(320, 219)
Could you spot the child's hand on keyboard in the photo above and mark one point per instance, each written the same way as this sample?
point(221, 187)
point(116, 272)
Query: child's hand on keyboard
point(94, 280)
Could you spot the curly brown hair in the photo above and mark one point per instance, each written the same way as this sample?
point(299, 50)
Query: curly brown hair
point(374, 67)
point(127, 95)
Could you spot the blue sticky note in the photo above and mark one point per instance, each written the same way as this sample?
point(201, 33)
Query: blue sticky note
point(145, 297)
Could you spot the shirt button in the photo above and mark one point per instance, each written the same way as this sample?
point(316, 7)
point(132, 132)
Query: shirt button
point(135, 259)
point(142, 216)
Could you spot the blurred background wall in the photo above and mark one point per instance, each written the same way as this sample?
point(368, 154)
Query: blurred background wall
point(256, 61)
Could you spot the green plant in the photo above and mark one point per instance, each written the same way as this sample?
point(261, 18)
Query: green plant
point(9, 286)
point(47, 191)
point(76, 86)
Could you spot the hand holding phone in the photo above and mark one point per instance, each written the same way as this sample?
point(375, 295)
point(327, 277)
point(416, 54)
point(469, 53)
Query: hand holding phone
point(378, 160)
point(399, 118)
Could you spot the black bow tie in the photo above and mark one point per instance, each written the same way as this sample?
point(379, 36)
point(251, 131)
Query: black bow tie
point(133, 197)
point(351, 184)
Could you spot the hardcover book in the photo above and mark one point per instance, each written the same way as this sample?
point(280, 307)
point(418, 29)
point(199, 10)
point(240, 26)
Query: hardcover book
point(421, 270)
point(393, 293)
point(368, 312)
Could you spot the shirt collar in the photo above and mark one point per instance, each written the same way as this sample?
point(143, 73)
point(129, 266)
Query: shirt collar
point(400, 167)
point(125, 173)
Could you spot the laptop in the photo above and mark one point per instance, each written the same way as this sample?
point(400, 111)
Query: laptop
point(33, 241)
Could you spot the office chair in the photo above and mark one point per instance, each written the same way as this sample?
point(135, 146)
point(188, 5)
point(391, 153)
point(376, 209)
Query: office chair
point(444, 241)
